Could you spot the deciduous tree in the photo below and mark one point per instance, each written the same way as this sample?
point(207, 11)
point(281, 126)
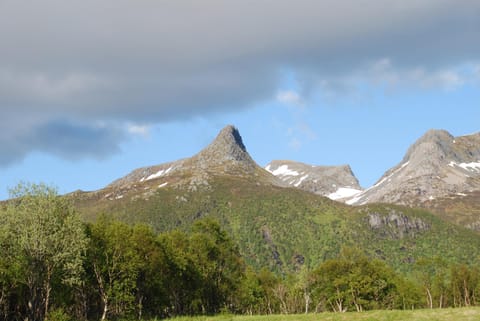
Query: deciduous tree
point(47, 241)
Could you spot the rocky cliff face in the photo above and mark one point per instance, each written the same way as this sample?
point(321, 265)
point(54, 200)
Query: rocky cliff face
point(226, 155)
point(437, 165)
point(335, 182)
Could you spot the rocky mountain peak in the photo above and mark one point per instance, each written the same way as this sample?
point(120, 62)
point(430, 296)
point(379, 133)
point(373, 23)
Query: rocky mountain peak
point(436, 144)
point(335, 182)
point(436, 165)
point(227, 145)
point(226, 155)
point(226, 150)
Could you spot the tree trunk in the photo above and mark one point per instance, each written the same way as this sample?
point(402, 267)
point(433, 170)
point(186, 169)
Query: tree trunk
point(269, 306)
point(103, 292)
point(47, 300)
point(105, 308)
point(339, 303)
point(466, 293)
point(306, 296)
point(140, 307)
point(48, 289)
point(429, 299)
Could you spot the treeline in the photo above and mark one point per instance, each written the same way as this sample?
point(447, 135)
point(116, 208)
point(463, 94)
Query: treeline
point(53, 266)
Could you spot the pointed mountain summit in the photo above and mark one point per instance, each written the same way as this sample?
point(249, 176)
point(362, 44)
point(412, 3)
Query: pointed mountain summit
point(226, 153)
point(335, 182)
point(436, 165)
point(225, 156)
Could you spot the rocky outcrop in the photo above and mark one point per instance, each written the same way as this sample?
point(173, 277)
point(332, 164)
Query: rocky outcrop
point(335, 182)
point(396, 224)
point(226, 154)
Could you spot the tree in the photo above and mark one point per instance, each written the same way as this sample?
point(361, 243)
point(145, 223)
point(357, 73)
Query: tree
point(115, 264)
point(219, 263)
point(432, 275)
point(47, 240)
point(150, 266)
point(464, 284)
point(180, 276)
point(355, 282)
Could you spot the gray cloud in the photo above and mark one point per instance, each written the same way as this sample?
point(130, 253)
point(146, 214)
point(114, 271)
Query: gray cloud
point(65, 139)
point(116, 61)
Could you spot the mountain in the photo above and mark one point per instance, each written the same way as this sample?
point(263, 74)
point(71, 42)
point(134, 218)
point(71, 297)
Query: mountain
point(435, 166)
point(462, 209)
point(335, 182)
point(226, 155)
point(275, 226)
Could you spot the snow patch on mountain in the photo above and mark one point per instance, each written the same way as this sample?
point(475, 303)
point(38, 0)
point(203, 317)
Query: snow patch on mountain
point(297, 184)
point(471, 167)
point(158, 174)
point(283, 170)
point(344, 192)
point(321, 180)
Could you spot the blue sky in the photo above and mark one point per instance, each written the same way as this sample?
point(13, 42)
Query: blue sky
point(89, 91)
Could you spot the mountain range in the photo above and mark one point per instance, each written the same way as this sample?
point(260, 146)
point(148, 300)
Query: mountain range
point(279, 215)
point(437, 165)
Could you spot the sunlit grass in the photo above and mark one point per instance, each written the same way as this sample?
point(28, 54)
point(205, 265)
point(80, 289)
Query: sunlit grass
point(463, 314)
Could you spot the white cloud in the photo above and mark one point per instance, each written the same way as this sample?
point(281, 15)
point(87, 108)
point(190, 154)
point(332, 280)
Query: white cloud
point(295, 144)
point(383, 72)
point(477, 73)
point(139, 130)
point(289, 97)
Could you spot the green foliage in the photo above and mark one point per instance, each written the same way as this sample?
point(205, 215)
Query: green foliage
point(58, 315)
point(234, 247)
point(282, 228)
point(219, 264)
point(44, 241)
point(354, 282)
point(116, 264)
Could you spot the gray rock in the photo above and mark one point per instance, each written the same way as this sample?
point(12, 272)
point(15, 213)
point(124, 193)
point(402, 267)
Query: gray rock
point(436, 165)
point(322, 180)
point(226, 155)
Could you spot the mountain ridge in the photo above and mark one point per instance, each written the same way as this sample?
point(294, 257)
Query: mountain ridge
point(436, 165)
point(275, 224)
point(334, 182)
point(225, 155)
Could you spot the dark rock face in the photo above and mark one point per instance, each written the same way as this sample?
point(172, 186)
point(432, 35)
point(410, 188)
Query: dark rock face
point(396, 225)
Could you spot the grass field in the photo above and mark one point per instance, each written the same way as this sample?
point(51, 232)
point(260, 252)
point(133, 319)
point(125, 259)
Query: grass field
point(463, 314)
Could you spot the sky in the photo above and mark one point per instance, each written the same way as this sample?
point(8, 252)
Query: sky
point(90, 90)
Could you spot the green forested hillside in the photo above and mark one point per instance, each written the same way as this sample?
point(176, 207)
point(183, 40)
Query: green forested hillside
point(461, 209)
point(233, 247)
point(284, 228)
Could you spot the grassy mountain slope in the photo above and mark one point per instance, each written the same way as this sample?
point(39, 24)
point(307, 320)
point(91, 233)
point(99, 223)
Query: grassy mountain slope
point(460, 209)
point(284, 228)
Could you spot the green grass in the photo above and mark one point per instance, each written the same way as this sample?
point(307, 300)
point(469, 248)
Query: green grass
point(463, 314)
